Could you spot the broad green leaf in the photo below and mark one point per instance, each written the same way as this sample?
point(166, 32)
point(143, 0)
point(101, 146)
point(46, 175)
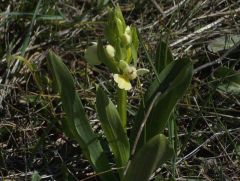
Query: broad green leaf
point(173, 82)
point(223, 43)
point(152, 155)
point(163, 56)
point(91, 55)
point(76, 124)
point(230, 80)
point(113, 129)
point(103, 57)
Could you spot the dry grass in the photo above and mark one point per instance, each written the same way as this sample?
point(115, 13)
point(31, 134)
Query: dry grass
point(30, 134)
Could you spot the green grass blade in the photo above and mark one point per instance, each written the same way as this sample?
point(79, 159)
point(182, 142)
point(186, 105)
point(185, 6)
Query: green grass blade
point(113, 129)
point(173, 140)
point(147, 54)
point(76, 123)
point(173, 82)
point(36, 176)
point(27, 39)
point(154, 153)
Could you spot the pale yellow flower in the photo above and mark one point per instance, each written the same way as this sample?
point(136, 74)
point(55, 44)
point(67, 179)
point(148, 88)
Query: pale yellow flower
point(122, 81)
point(128, 73)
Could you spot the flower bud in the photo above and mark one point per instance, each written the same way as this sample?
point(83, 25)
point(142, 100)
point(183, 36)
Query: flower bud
point(110, 51)
point(133, 73)
point(123, 65)
point(127, 36)
point(128, 30)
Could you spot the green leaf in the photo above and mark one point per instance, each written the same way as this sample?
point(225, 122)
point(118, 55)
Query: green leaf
point(163, 55)
point(113, 129)
point(118, 14)
point(223, 43)
point(110, 28)
point(36, 176)
point(115, 26)
point(103, 57)
point(173, 82)
point(29, 32)
point(230, 80)
point(121, 52)
point(76, 124)
point(135, 44)
point(142, 71)
point(91, 55)
point(119, 26)
point(152, 155)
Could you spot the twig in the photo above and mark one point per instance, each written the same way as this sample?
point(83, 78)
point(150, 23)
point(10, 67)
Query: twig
point(209, 26)
point(195, 133)
point(159, 8)
point(24, 175)
point(174, 8)
point(201, 145)
point(217, 14)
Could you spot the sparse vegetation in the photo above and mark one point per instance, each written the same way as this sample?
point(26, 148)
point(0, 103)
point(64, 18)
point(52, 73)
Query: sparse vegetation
point(204, 128)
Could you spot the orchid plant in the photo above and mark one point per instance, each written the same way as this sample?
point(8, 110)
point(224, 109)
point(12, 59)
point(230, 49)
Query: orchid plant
point(118, 55)
point(147, 148)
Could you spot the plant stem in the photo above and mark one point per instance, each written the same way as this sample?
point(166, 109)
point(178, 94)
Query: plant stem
point(122, 106)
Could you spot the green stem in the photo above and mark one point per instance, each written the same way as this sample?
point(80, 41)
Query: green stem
point(122, 106)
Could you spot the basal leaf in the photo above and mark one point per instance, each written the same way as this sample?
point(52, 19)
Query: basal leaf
point(113, 129)
point(152, 154)
point(173, 82)
point(76, 124)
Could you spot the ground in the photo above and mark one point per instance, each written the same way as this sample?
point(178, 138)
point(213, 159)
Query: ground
point(207, 117)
